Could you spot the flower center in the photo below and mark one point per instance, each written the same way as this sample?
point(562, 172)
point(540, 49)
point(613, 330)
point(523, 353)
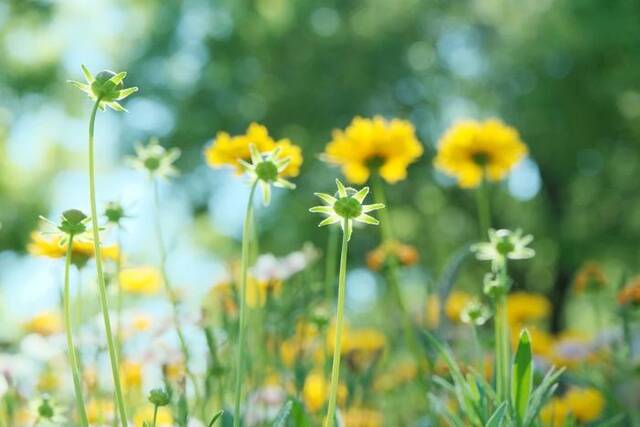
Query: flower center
point(480, 158)
point(375, 162)
point(103, 88)
point(72, 222)
point(505, 246)
point(152, 163)
point(348, 207)
point(267, 171)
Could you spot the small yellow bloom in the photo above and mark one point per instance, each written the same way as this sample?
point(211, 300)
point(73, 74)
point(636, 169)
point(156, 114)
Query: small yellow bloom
point(590, 278)
point(401, 373)
point(363, 417)
point(315, 391)
point(48, 381)
point(259, 290)
point(140, 280)
point(456, 302)
point(404, 254)
point(432, 311)
point(145, 414)
point(368, 144)
point(472, 151)
point(141, 322)
point(554, 413)
point(586, 404)
point(100, 411)
point(174, 371)
point(227, 150)
point(524, 307)
point(44, 323)
point(224, 296)
point(81, 252)
point(630, 294)
point(131, 375)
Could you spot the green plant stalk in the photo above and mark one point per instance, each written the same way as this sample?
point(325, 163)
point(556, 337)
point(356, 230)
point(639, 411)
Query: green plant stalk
point(484, 209)
point(102, 290)
point(392, 279)
point(330, 262)
point(502, 349)
point(171, 292)
point(155, 415)
point(335, 367)
point(120, 295)
point(73, 361)
point(244, 266)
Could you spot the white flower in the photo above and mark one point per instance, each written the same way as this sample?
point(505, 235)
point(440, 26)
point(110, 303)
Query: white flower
point(156, 160)
point(502, 245)
point(267, 169)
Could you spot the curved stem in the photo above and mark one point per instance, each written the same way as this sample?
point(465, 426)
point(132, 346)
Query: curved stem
point(73, 361)
point(171, 292)
point(484, 209)
point(244, 265)
point(335, 367)
point(102, 291)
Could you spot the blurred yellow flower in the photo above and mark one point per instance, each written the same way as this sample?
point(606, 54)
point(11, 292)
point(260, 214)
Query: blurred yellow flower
point(363, 417)
point(100, 411)
point(48, 381)
point(589, 278)
point(141, 322)
point(586, 404)
point(360, 347)
point(554, 413)
point(227, 150)
point(258, 290)
point(368, 144)
point(140, 280)
point(145, 414)
point(44, 323)
point(399, 374)
point(174, 371)
point(223, 295)
point(524, 307)
point(303, 344)
point(131, 375)
point(456, 302)
point(404, 254)
point(472, 151)
point(432, 311)
point(81, 252)
point(630, 294)
point(314, 392)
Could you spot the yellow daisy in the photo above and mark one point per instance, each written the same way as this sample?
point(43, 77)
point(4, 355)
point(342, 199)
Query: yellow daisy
point(81, 251)
point(227, 150)
point(44, 323)
point(145, 415)
point(140, 280)
point(525, 307)
point(367, 145)
point(472, 151)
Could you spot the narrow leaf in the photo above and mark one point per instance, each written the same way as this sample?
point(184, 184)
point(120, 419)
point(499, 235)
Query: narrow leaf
point(283, 415)
point(496, 419)
point(522, 376)
point(215, 417)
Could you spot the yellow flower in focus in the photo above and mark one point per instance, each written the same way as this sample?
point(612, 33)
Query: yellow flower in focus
point(131, 375)
point(554, 413)
point(100, 411)
point(472, 151)
point(81, 252)
point(145, 414)
point(524, 307)
point(140, 280)
point(586, 404)
point(367, 145)
point(44, 323)
point(590, 278)
point(362, 417)
point(227, 150)
point(630, 294)
point(456, 302)
point(314, 392)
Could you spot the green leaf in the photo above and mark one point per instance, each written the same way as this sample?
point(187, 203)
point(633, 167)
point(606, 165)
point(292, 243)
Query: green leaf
point(541, 394)
point(496, 419)
point(215, 417)
point(522, 377)
point(283, 415)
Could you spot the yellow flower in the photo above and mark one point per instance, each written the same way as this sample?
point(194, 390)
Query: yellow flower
point(472, 151)
point(586, 404)
point(174, 371)
point(303, 343)
point(81, 252)
point(630, 294)
point(227, 150)
point(367, 144)
point(362, 417)
point(589, 278)
point(456, 302)
point(258, 290)
point(554, 413)
point(131, 375)
point(360, 347)
point(314, 392)
point(524, 307)
point(140, 280)
point(44, 323)
point(432, 311)
point(400, 373)
point(141, 322)
point(145, 414)
point(223, 296)
point(100, 411)
point(404, 254)
point(48, 381)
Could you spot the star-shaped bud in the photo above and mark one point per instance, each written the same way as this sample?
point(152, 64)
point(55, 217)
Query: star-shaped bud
point(502, 245)
point(73, 223)
point(106, 87)
point(156, 160)
point(346, 208)
point(267, 170)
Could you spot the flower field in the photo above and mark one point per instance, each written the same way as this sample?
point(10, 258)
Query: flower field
point(220, 236)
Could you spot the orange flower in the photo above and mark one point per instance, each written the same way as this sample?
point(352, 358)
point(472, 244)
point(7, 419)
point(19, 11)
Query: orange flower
point(630, 294)
point(405, 254)
point(589, 278)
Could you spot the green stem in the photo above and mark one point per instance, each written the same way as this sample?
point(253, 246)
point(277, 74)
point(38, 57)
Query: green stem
point(335, 368)
point(244, 265)
point(477, 348)
point(155, 415)
point(330, 262)
point(502, 349)
point(484, 209)
point(102, 290)
point(393, 282)
point(73, 361)
point(171, 292)
point(120, 294)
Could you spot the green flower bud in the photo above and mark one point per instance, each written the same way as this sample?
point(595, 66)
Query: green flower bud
point(104, 88)
point(73, 222)
point(114, 212)
point(45, 409)
point(348, 207)
point(267, 171)
point(159, 397)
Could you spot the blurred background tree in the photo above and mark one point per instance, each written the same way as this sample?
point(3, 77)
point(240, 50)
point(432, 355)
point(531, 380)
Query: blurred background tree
point(564, 72)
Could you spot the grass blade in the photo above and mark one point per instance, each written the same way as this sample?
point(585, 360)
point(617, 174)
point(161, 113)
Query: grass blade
point(522, 377)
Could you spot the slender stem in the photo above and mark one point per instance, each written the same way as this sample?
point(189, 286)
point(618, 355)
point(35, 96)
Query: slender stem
point(392, 279)
point(102, 290)
point(330, 262)
point(171, 292)
point(484, 209)
point(120, 293)
point(502, 349)
point(73, 361)
point(244, 265)
point(335, 368)
point(477, 348)
point(155, 415)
